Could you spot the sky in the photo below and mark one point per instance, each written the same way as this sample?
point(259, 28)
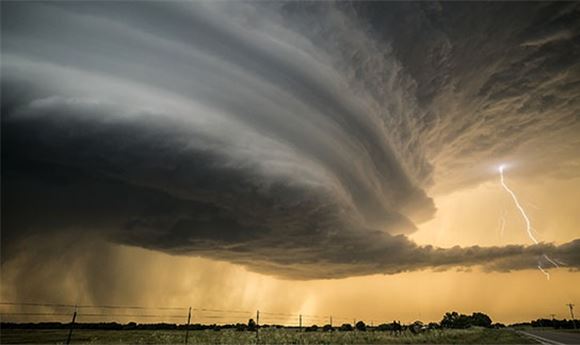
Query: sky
point(304, 157)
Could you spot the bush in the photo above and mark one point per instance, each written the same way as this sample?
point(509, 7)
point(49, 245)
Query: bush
point(384, 327)
point(312, 328)
point(456, 320)
point(130, 325)
point(327, 328)
point(480, 319)
point(345, 327)
point(252, 325)
point(433, 325)
point(416, 327)
point(360, 326)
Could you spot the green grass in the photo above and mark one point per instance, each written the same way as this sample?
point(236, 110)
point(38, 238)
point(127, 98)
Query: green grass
point(267, 336)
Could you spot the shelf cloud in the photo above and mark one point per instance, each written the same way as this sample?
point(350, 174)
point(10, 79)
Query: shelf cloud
point(289, 138)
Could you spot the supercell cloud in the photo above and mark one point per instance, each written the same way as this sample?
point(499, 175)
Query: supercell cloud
point(301, 140)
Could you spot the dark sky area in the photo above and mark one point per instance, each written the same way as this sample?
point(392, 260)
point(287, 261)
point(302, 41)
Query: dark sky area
point(303, 140)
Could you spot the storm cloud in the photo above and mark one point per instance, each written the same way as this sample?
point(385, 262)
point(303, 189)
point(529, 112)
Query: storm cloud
point(300, 140)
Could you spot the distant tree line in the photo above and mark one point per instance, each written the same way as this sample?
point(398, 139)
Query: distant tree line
point(557, 324)
point(455, 320)
point(452, 320)
point(250, 326)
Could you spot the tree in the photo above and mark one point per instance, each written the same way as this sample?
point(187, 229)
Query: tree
point(416, 327)
point(449, 319)
point(252, 325)
point(384, 327)
point(433, 325)
point(130, 325)
point(480, 319)
point(456, 320)
point(312, 328)
point(360, 326)
point(346, 327)
point(327, 328)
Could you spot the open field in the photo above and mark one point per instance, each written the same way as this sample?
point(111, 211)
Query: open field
point(267, 336)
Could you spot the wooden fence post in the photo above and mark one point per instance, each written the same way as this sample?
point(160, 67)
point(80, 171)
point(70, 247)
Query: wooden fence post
point(257, 326)
point(187, 327)
point(72, 325)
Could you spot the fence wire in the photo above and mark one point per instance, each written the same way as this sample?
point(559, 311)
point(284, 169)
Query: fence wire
point(22, 310)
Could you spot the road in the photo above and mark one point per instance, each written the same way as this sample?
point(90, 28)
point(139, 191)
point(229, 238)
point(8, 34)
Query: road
point(549, 337)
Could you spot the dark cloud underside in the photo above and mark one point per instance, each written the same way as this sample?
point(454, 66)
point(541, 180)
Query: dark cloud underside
point(300, 140)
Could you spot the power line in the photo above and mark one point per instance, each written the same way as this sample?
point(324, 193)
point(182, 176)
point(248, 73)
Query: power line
point(38, 304)
point(60, 305)
point(93, 315)
point(132, 315)
point(36, 314)
point(223, 311)
point(199, 315)
point(128, 307)
point(281, 314)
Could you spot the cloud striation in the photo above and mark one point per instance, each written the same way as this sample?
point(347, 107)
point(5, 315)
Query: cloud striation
point(297, 139)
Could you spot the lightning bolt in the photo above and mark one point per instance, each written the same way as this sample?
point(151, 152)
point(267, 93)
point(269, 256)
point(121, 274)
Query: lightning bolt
point(560, 262)
point(553, 262)
point(518, 205)
point(544, 271)
point(527, 221)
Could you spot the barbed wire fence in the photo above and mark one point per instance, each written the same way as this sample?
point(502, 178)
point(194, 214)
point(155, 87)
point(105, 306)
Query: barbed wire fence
point(185, 318)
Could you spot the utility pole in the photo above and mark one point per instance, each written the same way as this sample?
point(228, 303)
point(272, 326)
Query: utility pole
point(300, 321)
point(187, 327)
point(571, 307)
point(72, 324)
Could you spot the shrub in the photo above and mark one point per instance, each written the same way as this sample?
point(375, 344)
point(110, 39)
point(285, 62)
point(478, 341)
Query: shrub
point(456, 320)
point(312, 328)
point(252, 325)
point(345, 327)
point(327, 328)
point(416, 327)
point(384, 327)
point(360, 326)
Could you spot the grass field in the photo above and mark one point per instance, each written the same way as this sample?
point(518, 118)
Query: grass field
point(267, 336)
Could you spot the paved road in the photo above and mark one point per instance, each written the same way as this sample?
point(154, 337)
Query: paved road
point(554, 337)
